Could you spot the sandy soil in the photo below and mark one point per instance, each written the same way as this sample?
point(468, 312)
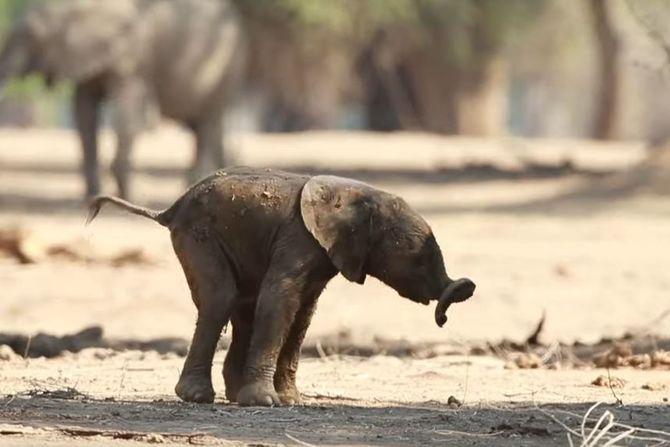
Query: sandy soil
point(512, 221)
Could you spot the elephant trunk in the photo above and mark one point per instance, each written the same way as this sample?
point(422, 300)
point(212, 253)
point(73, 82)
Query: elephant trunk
point(455, 292)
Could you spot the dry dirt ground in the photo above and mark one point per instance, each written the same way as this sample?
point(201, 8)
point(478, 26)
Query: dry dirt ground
point(523, 219)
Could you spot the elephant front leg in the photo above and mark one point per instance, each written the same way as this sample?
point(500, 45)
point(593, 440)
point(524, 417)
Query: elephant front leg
point(278, 302)
point(287, 365)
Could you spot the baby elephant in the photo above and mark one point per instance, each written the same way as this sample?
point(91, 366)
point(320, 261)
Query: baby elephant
point(259, 246)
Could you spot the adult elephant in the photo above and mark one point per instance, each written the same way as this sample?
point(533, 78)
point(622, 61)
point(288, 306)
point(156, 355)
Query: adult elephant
point(185, 56)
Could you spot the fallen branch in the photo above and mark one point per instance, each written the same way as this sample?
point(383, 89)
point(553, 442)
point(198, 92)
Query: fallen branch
point(533, 338)
point(129, 435)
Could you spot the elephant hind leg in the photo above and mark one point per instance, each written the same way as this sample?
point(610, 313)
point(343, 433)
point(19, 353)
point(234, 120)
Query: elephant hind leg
point(233, 367)
point(213, 290)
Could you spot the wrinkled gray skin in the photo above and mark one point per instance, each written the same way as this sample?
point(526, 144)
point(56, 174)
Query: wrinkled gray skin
point(259, 246)
point(185, 56)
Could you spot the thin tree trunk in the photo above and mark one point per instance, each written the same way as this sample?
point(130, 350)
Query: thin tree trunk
point(481, 102)
point(607, 94)
point(482, 84)
point(436, 98)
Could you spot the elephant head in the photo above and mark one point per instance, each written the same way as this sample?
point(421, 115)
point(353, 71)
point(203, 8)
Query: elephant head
point(366, 231)
point(73, 40)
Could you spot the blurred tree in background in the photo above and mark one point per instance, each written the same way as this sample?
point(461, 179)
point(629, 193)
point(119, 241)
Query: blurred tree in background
point(411, 64)
point(652, 17)
point(607, 96)
point(475, 67)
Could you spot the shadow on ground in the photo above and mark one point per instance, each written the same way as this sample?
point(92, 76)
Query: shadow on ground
point(323, 421)
point(595, 194)
point(470, 174)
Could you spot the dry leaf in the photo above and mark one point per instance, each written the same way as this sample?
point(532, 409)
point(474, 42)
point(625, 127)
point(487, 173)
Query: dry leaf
point(22, 245)
point(642, 361)
point(614, 357)
point(130, 257)
point(7, 354)
point(613, 382)
point(528, 361)
point(660, 358)
point(561, 271)
point(654, 386)
point(453, 402)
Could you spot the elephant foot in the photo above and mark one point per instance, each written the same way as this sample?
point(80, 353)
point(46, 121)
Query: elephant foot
point(258, 394)
point(195, 388)
point(121, 178)
point(91, 193)
point(123, 192)
point(290, 396)
point(232, 377)
point(233, 387)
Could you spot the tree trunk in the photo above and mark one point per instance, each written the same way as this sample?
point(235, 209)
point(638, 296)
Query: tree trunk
point(482, 99)
point(481, 105)
point(607, 93)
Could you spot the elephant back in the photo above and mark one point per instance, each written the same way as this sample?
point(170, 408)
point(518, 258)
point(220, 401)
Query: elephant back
point(79, 39)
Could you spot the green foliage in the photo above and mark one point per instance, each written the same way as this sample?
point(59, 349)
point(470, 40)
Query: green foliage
point(11, 10)
point(471, 29)
point(34, 86)
point(30, 86)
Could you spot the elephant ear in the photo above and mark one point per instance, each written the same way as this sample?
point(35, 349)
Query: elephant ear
point(338, 213)
point(79, 39)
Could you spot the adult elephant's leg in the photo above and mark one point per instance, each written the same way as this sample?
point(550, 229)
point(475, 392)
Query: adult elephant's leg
point(233, 366)
point(127, 105)
point(87, 116)
point(219, 154)
point(289, 356)
point(213, 290)
point(209, 147)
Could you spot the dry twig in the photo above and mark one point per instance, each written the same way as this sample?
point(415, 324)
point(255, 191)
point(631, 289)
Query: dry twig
point(619, 402)
point(298, 441)
point(606, 431)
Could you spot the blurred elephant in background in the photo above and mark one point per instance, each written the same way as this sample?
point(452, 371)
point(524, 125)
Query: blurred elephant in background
point(185, 56)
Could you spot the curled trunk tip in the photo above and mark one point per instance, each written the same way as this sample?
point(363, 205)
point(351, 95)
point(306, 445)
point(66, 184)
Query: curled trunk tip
point(456, 292)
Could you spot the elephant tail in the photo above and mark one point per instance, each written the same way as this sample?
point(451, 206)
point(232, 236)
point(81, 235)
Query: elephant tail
point(96, 204)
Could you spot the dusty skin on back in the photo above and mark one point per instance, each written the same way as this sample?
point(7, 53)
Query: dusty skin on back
point(258, 247)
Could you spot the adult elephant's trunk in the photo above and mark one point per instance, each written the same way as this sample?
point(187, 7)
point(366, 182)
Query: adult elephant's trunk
point(456, 292)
